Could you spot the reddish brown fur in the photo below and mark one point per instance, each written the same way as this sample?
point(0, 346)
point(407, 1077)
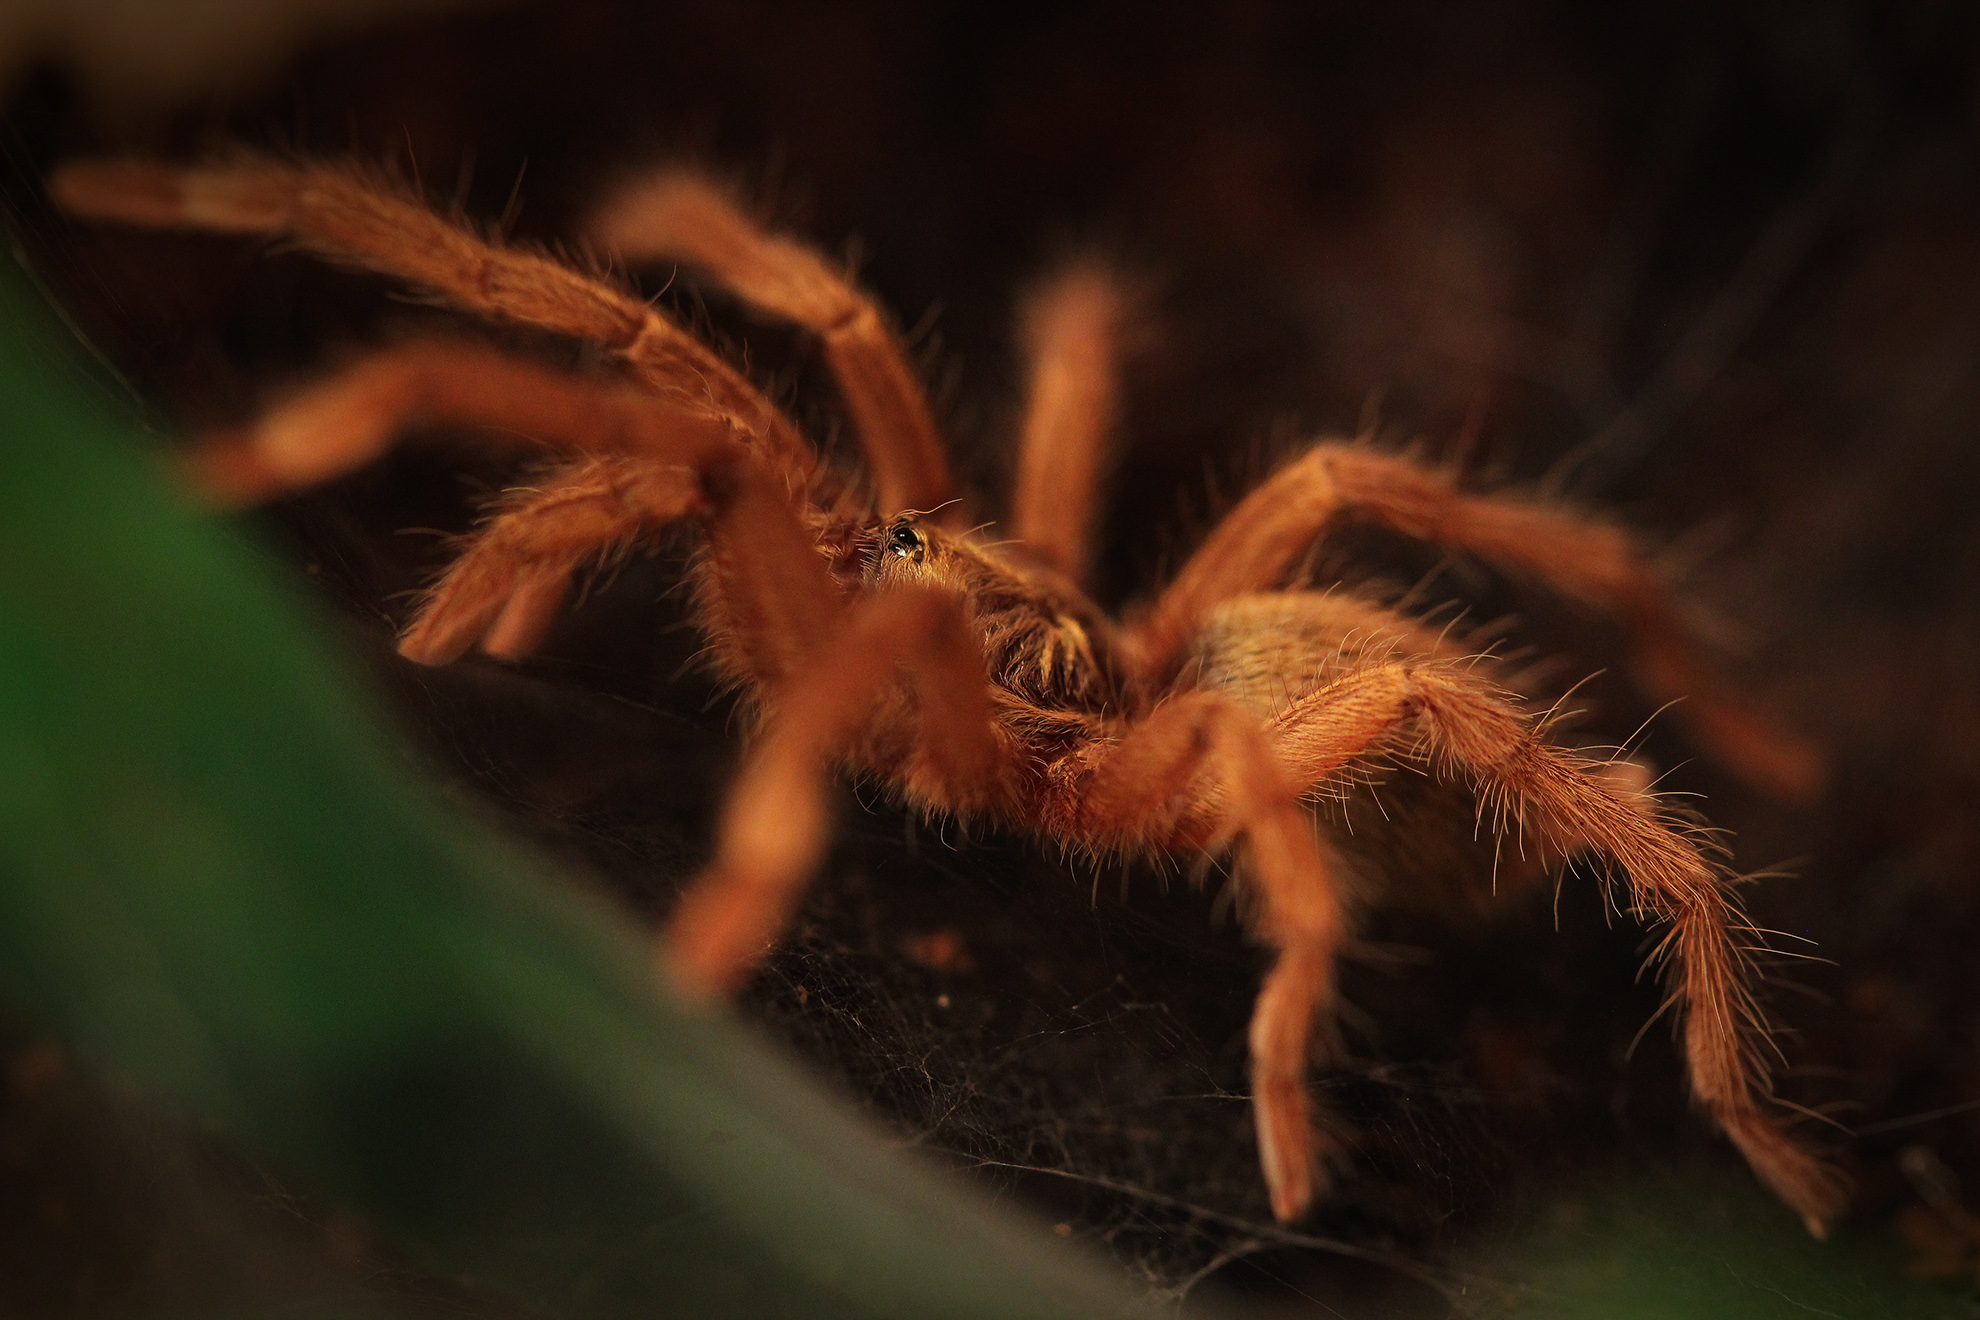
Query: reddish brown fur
point(975, 676)
point(676, 216)
point(1071, 325)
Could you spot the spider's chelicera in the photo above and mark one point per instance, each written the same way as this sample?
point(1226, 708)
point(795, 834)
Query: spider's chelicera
point(869, 630)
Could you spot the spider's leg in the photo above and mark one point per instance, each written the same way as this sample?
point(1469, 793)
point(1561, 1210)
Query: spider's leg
point(1467, 726)
point(648, 460)
point(505, 590)
point(1071, 327)
point(774, 828)
point(1202, 755)
point(682, 216)
point(1261, 540)
point(340, 214)
point(344, 420)
point(766, 597)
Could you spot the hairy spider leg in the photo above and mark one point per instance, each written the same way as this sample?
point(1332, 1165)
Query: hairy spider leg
point(341, 215)
point(765, 595)
point(1465, 725)
point(775, 826)
point(1202, 758)
point(679, 215)
point(650, 461)
point(1262, 539)
point(1071, 327)
point(348, 418)
point(508, 585)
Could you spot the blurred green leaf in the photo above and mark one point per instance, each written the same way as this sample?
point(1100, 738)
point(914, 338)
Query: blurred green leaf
point(222, 883)
point(1706, 1244)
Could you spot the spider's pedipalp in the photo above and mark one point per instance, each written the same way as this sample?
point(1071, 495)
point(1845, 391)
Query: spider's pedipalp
point(342, 215)
point(1072, 327)
point(766, 599)
point(1202, 763)
point(652, 460)
point(774, 829)
point(680, 215)
point(1462, 723)
point(1266, 534)
point(505, 589)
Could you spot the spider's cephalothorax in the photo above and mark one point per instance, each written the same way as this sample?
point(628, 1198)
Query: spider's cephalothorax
point(973, 673)
point(1043, 641)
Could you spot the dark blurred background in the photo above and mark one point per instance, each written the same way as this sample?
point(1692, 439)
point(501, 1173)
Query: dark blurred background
point(1713, 268)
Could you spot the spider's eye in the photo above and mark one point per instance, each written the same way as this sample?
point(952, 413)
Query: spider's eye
point(905, 542)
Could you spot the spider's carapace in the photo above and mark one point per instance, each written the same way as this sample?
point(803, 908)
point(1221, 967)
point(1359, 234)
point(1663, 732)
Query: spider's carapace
point(973, 673)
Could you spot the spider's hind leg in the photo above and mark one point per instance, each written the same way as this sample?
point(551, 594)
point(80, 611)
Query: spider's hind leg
point(1260, 542)
point(1465, 725)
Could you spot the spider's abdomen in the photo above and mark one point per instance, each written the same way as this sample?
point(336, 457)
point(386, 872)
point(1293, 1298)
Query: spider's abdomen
point(1268, 650)
point(1408, 836)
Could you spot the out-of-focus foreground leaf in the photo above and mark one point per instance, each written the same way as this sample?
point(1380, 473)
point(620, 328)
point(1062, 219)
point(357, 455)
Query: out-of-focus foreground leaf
point(223, 886)
point(1704, 1244)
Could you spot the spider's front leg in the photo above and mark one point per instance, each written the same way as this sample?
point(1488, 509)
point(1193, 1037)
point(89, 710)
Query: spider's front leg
point(643, 462)
point(1260, 541)
point(347, 216)
point(843, 696)
point(680, 215)
point(1465, 725)
point(1200, 769)
point(347, 419)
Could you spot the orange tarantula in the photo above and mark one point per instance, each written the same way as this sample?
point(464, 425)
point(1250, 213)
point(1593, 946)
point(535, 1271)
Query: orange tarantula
point(871, 631)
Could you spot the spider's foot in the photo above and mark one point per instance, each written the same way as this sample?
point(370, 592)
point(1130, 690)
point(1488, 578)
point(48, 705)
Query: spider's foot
point(1289, 1145)
point(229, 471)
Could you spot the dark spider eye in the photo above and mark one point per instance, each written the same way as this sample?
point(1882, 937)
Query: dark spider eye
point(904, 541)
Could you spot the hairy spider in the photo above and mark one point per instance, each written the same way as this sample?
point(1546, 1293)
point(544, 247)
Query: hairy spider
point(873, 632)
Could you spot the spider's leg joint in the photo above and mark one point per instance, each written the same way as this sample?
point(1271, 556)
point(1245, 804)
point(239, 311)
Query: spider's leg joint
point(721, 479)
